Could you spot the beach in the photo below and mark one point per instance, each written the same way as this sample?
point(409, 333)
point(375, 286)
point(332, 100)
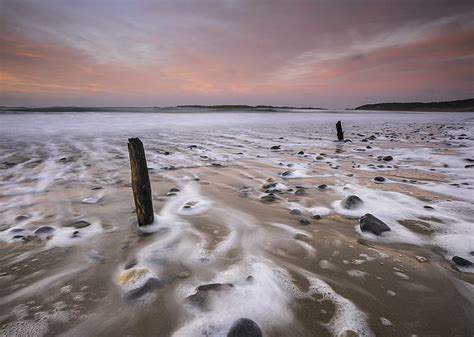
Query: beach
point(264, 208)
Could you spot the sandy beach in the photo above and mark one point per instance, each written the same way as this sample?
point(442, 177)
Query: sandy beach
point(264, 208)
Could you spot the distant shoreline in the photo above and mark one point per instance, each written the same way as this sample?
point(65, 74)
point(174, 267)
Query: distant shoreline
point(463, 105)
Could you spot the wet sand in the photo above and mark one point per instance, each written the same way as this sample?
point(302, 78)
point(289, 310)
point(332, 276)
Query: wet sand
point(313, 272)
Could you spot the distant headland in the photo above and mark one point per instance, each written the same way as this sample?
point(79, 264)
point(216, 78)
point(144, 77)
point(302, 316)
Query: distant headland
point(466, 105)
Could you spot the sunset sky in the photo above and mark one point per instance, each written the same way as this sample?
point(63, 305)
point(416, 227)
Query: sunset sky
point(333, 54)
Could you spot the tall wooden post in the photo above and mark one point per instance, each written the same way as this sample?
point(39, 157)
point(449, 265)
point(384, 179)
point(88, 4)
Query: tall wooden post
point(140, 182)
point(340, 134)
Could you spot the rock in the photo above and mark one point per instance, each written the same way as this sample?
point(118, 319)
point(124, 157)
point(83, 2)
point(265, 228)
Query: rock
point(244, 327)
point(428, 207)
point(295, 211)
point(79, 224)
point(193, 146)
point(44, 230)
point(190, 204)
point(301, 236)
point(349, 333)
point(387, 158)
point(150, 285)
point(270, 197)
point(275, 147)
point(322, 187)
point(300, 191)
point(249, 278)
point(462, 261)
point(201, 297)
point(304, 222)
point(174, 190)
point(184, 274)
point(469, 166)
point(316, 217)
point(421, 259)
point(301, 153)
point(369, 223)
point(75, 234)
point(379, 179)
point(286, 173)
point(22, 217)
point(351, 202)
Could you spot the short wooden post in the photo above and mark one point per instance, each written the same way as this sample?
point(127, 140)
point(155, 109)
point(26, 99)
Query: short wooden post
point(340, 134)
point(140, 182)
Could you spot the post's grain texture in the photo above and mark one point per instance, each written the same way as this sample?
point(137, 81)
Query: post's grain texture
point(140, 182)
point(340, 134)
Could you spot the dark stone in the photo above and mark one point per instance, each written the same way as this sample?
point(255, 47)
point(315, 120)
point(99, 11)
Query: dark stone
point(286, 173)
point(301, 152)
point(369, 223)
point(379, 179)
point(316, 217)
point(44, 230)
point(469, 166)
point(22, 217)
point(75, 234)
point(216, 165)
point(79, 224)
point(322, 187)
point(295, 211)
point(300, 191)
point(166, 153)
point(130, 264)
point(351, 202)
point(428, 207)
point(462, 261)
point(304, 222)
point(244, 327)
point(149, 286)
point(193, 146)
point(200, 298)
point(174, 190)
point(275, 147)
point(270, 197)
point(387, 158)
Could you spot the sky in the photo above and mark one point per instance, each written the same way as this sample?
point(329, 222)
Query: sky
point(328, 53)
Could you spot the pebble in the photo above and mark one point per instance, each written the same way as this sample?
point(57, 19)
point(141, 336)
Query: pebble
point(295, 211)
point(379, 179)
point(370, 223)
point(304, 222)
point(351, 202)
point(79, 224)
point(244, 327)
point(460, 261)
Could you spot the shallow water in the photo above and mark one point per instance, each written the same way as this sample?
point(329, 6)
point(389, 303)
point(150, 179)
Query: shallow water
point(313, 271)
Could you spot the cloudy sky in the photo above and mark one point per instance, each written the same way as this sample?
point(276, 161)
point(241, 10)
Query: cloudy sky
point(296, 52)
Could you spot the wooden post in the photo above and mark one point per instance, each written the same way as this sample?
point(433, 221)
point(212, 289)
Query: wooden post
point(340, 134)
point(140, 182)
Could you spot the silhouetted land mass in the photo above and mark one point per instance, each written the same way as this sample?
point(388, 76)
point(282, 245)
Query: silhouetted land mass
point(246, 107)
point(177, 109)
point(459, 105)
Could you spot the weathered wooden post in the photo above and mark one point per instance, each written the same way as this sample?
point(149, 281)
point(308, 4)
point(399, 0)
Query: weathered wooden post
point(140, 182)
point(340, 134)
